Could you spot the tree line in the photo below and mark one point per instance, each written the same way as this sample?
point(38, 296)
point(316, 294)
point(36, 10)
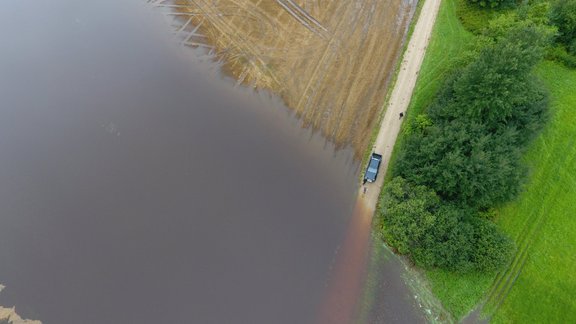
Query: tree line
point(559, 15)
point(463, 157)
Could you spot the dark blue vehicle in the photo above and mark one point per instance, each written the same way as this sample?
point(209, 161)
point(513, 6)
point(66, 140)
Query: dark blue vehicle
point(372, 170)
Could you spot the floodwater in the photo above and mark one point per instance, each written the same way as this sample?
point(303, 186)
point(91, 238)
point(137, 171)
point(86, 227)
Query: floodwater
point(139, 185)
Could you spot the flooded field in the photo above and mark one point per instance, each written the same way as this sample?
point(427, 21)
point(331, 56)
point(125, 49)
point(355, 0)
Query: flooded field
point(330, 61)
point(138, 184)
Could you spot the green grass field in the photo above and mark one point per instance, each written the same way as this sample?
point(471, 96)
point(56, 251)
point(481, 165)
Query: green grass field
point(540, 284)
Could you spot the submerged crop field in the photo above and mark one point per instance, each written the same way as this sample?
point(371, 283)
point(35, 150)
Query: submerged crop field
point(330, 61)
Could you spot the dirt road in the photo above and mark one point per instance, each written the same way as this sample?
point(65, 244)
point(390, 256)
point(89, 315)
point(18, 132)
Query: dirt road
point(400, 98)
point(346, 283)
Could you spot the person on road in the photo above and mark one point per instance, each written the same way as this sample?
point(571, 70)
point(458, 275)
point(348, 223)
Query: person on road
point(401, 115)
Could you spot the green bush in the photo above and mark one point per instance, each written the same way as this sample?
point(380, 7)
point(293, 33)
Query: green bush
point(472, 17)
point(464, 163)
point(481, 119)
point(408, 213)
point(572, 47)
point(492, 249)
point(465, 157)
point(559, 54)
point(439, 235)
point(491, 3)
point(563, 16)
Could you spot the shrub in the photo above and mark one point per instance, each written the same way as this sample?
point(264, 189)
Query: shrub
point(435, 234)
point(463, 163)
point(492, 249)
point(563, 16)
point(481, 119)
point(408, 213)
point(491, 3)
point(559, 54)
point(572, 47)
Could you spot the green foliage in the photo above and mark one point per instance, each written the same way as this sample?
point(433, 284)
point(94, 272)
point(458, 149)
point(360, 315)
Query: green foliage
point(435, 234)
point(535, 16)
point(472, 16)
point(492, 249)
point(463, 163)
point(535, 12)
point(572, 47)
point(491, 3)
point(501, 25)
point(490, 88)
point(559, 54)
point(563, 16)
point(482, 117)
point(422, 122)
point(408, 213)
point(543, 291)
point(419, 124)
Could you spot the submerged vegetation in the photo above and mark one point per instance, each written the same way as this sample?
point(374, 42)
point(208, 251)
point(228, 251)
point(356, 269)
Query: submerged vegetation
point(463, 202)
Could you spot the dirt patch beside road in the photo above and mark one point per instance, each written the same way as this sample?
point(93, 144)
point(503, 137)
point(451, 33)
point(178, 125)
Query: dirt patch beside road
point(330, 61)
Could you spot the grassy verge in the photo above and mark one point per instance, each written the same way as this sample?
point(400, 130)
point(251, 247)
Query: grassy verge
point(540, 286)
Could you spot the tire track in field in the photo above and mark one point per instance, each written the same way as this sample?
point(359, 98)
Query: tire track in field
point(505, 280)
point(532, 228)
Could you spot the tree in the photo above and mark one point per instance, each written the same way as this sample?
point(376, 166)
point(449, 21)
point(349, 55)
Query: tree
point(436, 234)
point(463, 163)
point(563, 16)
point(497, 82)
point(490, 3)
point(408, 213)
point(480, 121)
point(447, 244)
point(492, 249)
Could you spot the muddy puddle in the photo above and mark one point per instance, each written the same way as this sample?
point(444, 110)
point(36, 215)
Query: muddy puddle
point(330, 61)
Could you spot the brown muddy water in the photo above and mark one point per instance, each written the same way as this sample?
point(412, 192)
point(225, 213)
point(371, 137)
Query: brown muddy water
point(139, 185)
